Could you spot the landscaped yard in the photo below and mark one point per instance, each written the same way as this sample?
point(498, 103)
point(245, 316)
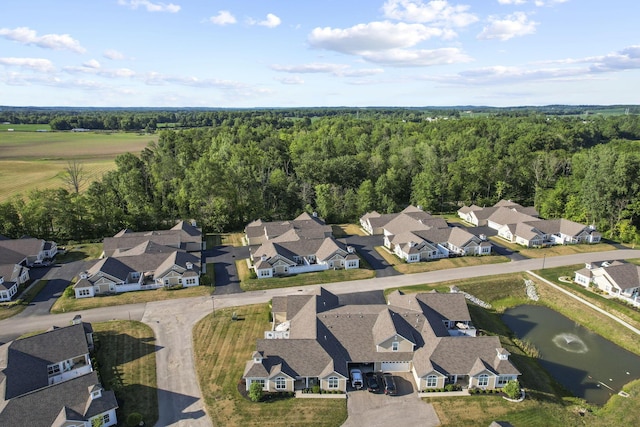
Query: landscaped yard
point(230, 239)
point(326, 276)
point(127, 365)
point(221, 348)
point(80, 251)
point(69, 303)
point(440, 264)
point(344, 230)
point(556, 250)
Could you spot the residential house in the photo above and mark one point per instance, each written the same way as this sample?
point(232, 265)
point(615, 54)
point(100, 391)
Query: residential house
point(47, 379)
point(183, 236)
point(316, 341)
point(302, 245)
point(305, 226)
point(521, 225)
point(11, 277)
point(618, 279)
point(144, 267)
point(26, 251)
point(414, 235)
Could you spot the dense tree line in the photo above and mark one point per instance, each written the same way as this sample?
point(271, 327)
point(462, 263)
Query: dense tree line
point(273, 164)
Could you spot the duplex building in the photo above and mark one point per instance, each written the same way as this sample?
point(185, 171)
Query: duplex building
point(316, 341)
point(47, 379)
point(303, 245)
point(16, 255)
point(618, 279)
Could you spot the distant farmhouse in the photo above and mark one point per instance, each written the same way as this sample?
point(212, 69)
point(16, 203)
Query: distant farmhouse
point(414, 235)
point(48, 380)
point(316, 341)
point(135, 261)
point(617, 278)
point(302, 245)
point(522, 225)
point(16, 256)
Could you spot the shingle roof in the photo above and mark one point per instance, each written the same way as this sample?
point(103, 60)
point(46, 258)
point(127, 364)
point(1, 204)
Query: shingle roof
point(626, 276)
point(182, 236)
point(41, 408)
point(33, 354)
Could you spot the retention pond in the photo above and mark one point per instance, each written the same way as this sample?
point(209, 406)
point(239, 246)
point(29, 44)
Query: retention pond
point(583, 362)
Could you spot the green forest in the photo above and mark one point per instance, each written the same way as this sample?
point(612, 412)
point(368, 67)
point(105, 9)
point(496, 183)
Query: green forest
point(226, 168)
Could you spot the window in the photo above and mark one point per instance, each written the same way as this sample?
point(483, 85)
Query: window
point(84, 292)
point(191, 281)
point(483, 380)
point(265, 273)
point(106, 419)
point(53, 369)
point(502, 380)
point(333, 382)
point(258, 381)
point(395, 345)
point(281, 383)
point(432, 381)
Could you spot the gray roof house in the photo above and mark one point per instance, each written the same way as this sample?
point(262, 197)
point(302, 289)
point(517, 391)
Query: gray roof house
point(60, 388)
point(412, 218)
point(522, 225)
point(316, 341)
point(11, 277)
point(617, 278)
point(182, 236)
point(26, 251)
point(148, 265)
point(302, 245)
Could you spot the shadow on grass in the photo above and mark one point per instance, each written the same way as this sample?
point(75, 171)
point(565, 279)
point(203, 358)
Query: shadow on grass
point(110, 346)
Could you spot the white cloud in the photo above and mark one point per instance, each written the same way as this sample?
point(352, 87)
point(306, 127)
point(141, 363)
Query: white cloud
point(625, 59)
point(113, 55)
point(512, 1)
point(341, 70)
point(93, 67)
point(224, 17)
point(272, 21)
point(514, 25)
point(150, 6)
point(541, 3)
point(92, 63)
point(35, 64)
point(290, 80)
point(27, 36)
point(374, 36)
point(437, 12)
point(418, 57)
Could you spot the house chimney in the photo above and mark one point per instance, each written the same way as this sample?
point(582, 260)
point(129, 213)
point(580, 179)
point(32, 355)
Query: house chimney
point(193, 223)
point(263, 257)
point(315, 214)
point(84, 275)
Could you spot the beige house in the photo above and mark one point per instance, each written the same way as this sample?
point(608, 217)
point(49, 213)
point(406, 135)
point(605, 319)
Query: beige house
point(316, 341)
point(618, 279)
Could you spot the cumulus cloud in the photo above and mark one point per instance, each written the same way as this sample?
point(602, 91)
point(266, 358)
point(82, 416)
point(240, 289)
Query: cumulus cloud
point(341, 70)
point(514, 25)
point(224, 17)
point(92, 63)
point(541, 3)
point(93, 67)
point(150, 6)
point(271, 21)
point(512, 1)
point(35, 64)
point(436, 12)
point(113, 55)
point(27, 36)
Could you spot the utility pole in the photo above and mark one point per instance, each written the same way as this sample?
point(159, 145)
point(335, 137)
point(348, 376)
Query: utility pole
point(213, 305)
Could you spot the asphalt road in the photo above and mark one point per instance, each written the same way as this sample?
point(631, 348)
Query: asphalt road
point(172, 321)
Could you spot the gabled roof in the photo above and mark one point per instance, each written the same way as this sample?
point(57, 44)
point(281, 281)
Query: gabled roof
point(33, 354)
point(503, 215)
point(625, 275)
point(182, 236)
point(68, 400)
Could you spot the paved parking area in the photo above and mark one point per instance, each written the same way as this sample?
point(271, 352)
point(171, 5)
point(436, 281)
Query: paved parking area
point(406, 409)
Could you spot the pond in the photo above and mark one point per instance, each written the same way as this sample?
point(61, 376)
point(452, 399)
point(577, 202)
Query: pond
point(586, 364)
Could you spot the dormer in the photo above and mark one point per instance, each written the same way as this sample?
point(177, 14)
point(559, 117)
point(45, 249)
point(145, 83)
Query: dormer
point(503, 354)
point(189, 265)
point(257, 357)
point(95, 392)
point(84, 275)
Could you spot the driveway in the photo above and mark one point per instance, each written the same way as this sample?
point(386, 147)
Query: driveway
point(365, 247)
point(224, 260)
point(406, 409)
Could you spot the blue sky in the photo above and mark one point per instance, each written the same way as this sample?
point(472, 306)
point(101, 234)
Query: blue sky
point(290, 53)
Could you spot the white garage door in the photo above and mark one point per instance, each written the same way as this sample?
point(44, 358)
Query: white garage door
point(395, 366)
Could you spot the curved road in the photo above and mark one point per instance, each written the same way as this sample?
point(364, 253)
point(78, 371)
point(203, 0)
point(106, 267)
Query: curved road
point(179, 396)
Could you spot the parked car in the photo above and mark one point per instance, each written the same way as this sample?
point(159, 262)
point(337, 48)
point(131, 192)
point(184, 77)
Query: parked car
point(356, 379)
point(372, 382)
point(389, 384)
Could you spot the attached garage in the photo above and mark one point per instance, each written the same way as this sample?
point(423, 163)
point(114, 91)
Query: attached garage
point(395, 366)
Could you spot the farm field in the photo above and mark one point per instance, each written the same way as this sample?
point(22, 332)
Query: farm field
point(30, 160)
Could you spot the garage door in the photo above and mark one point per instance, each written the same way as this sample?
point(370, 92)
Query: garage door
point(395, 366)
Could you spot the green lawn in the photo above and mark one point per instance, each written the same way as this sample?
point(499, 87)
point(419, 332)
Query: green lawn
point(221, 348)
point(127, 365)
point(326, 276)
point(70, 303)
point(80, 251)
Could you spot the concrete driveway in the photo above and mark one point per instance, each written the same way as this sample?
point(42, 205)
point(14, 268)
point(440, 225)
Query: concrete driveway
point(406, 409)
point(224, 260)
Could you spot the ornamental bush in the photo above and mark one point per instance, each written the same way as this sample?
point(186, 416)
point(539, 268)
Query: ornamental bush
point(512, 389)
